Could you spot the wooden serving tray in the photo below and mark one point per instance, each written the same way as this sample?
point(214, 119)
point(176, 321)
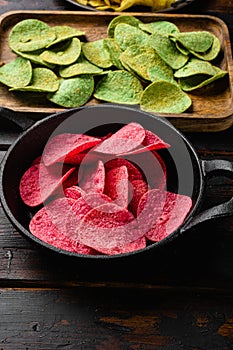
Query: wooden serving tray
point(213, 112)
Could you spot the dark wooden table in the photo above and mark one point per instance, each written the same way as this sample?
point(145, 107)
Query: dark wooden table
point(180, 298)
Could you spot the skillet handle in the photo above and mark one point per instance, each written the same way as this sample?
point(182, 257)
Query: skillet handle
point(210, 169)
point(18, 118)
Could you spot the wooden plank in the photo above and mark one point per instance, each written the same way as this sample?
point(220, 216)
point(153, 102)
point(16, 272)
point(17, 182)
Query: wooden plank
point(113, 319)
point(208, 112)
point(211, 144)
point(224, 6)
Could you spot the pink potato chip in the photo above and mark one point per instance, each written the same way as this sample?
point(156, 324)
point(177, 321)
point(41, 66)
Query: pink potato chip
point(85, 157)
point(74, 192)
point(71, 180)
point(176, 209)
point(140, 243)
point(108, 227)
point(81, 207)
point(100, 205)
point(104, 137)
point(153, 141)
point(165, 212)
point(133, 172)
point(93, 179)
point(87, 202)
point(66, 147)
point(124, 140)
point(139, 187)
point(117, 185)
point(150, 208)
point(152, 167)
point(39, 182)
point(48, 224)
point(150, 142)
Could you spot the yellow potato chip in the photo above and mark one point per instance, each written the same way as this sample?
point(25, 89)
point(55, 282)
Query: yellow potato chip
point(121, 5)
point(96, 3)
point(105, 7)
point(82, 2)
point(125, 4)
point(161, 4)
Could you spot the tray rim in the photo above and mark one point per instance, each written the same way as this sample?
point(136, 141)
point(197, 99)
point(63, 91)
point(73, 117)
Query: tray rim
point(114, 14)
point(226, 117)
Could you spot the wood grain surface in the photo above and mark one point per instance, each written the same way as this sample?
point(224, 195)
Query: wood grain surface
point(80, 319)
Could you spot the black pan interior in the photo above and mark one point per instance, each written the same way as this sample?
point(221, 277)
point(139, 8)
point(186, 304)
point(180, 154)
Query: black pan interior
point(183, 169)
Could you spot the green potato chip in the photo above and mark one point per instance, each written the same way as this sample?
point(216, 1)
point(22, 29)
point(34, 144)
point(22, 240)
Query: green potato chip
point(181, 48)
point(138, 59)
point(119, 87)
point(161, 71)
point(164, 97)
point(82, 66)
point(199, 41)
point(210, 54)
point(167, 50)
point(141, 52)
point(16, 73)
point(133, 21)
point(126, 35)
point(64, 55)
point(198, 81)
point(73, 92)
point(193, 82)
point(130, 70)
point(96, 53)
point(195, 66)
point(34, 57)
point(164, 28)
point(43, 80)
point(146, 63)
point(30, 35)
point(114, 52)
point(64, 33)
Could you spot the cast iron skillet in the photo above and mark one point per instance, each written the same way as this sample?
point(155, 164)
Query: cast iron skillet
point(186, 173)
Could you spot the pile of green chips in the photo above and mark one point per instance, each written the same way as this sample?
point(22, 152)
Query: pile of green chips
point(153, 65)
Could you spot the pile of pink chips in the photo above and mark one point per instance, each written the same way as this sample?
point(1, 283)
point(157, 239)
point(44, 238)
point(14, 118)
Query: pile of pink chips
point(102, 195)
